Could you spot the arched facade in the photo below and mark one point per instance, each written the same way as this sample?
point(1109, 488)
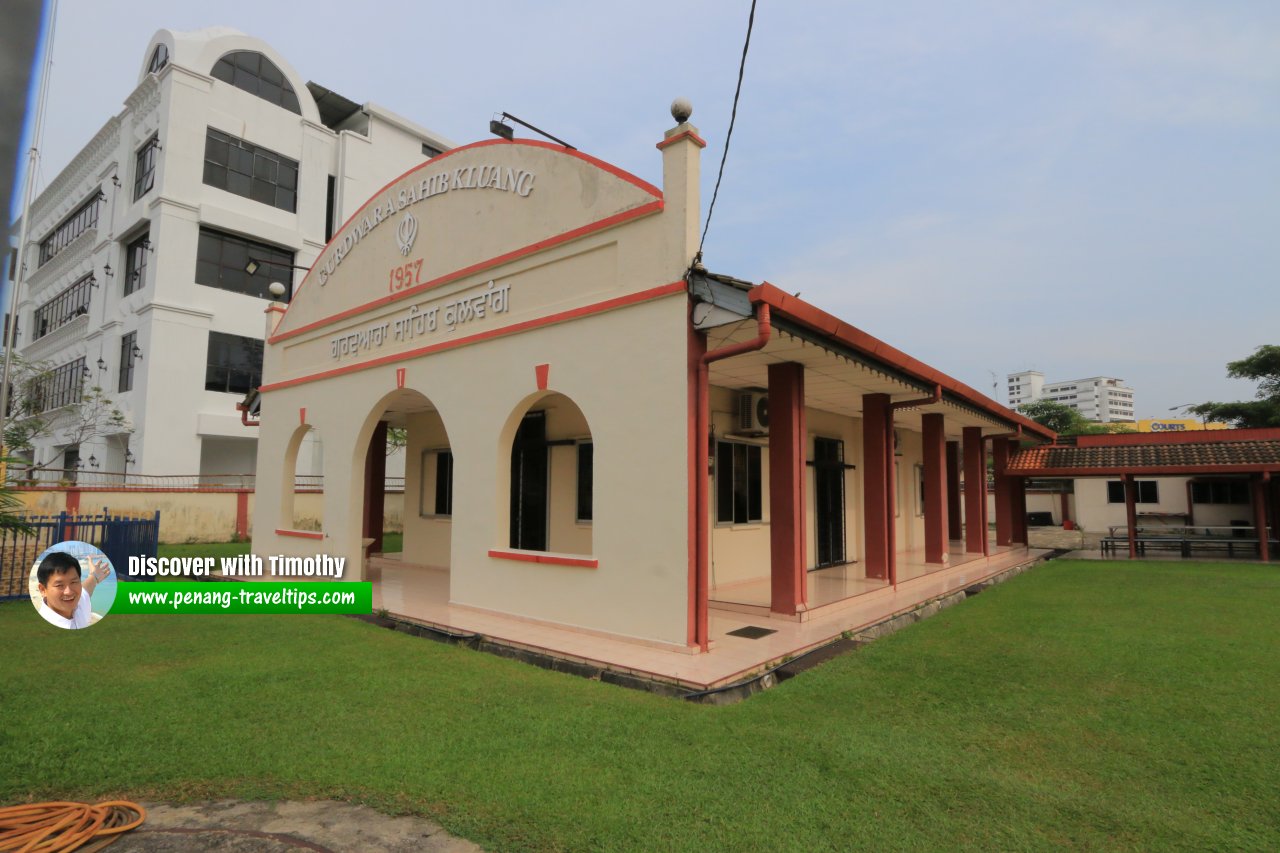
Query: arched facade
point(599, 436)
point(488, 325)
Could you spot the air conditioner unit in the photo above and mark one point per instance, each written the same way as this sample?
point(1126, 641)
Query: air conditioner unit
point(753, 413)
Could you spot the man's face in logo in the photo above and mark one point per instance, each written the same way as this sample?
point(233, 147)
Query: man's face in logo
point(62, 592)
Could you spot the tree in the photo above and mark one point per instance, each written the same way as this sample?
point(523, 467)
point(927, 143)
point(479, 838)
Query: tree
point(1262, 367)
point(37, 410)
point(12, 508)
point(1065, 420)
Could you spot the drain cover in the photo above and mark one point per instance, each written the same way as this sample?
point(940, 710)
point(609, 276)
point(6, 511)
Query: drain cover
point(751, 632)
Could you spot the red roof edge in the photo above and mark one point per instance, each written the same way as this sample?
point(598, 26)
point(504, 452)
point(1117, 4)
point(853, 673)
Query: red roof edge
point(1197, 436)
point(814, 318)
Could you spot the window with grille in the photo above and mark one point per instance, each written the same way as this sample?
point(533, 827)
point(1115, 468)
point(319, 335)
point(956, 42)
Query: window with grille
point(144, 170)
point(221, 259)
point(234, 363)
point(738, 486)
point(127, 343)
point(135, 264)
point(1225, 492)
point(251, 171)
point(71, 303)
point(254, 73)
point(1148, 492)
point(59, 387)
point(586, 471)
point(159, 59)
point(84, 218)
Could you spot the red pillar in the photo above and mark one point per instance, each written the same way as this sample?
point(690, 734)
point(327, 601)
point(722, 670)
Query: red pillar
point(242, 514)
point(699, 516)
point(975, 492)
point(954, 525)
point(1018, 496)
point(1259, 501)
point(1004, 504)
point(1275, 506)
point(1131, 512)
point(935, 488)
point(375, 477)
point(787, 442)
point(877, 476)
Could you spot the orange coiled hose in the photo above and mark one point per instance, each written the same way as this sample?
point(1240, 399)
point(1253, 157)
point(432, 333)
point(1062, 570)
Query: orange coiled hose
point(62, 827)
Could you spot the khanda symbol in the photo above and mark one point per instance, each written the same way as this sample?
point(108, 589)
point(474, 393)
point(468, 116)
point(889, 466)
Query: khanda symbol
point(406, 233)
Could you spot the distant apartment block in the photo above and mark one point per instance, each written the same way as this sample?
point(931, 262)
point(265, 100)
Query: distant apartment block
point(1098, 398)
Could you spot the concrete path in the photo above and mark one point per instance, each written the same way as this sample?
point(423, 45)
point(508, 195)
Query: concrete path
point(232, 826)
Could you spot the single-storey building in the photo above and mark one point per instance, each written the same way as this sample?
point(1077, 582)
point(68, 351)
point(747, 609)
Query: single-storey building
point(1190, 491)
point(604, 437)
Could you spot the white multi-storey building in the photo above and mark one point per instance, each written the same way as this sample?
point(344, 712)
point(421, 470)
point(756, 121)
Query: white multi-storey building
point(135, 273)
point(1098, 398)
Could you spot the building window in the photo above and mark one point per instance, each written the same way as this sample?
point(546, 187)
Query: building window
point(159, 59)
point(586, 466)
point(135, 264)
point(897, 487)
point(71, 462)
point(247, 170)
point(234, 364)
point(84, 218)
point(1226, 492)
point(127, 343)
point(444, 483)
point(738, 488)
point(257, 75)
point(530, 496)
point(144, 170)
point(221, 259)
point(920, 486)
point(1148, 492)
point(430, 151)
point(63, 308)
point(59, 387)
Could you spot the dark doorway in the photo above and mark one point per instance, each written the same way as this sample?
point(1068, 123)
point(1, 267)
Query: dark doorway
point(828, 481)
point(529, 464)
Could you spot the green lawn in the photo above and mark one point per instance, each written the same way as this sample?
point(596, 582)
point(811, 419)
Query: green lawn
point(1085, 705)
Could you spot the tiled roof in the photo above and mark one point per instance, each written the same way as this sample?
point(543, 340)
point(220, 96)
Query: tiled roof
point(1249, 455)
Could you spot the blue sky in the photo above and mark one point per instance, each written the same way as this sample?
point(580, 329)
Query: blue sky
point(1081, 188)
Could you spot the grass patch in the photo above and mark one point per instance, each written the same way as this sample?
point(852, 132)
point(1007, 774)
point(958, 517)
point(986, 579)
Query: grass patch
point(1087, 705)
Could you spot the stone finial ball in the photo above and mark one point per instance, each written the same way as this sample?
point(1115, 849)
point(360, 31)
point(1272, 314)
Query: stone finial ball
point(276, 289)
point(681, 109)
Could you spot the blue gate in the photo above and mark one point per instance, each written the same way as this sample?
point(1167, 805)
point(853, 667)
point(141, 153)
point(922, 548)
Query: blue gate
point(119, 537)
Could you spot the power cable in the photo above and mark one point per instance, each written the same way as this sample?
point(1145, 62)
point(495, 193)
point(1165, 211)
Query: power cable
point(732, 117)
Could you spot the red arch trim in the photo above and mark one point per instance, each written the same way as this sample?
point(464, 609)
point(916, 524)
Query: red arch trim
point(600, 225)
point(484, 143)
point(515, 328)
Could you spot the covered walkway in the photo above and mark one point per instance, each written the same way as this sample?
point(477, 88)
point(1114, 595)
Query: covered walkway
point(1246, 458)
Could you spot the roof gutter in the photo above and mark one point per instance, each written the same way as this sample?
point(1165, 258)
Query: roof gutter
point(702, 512)
point(244, 416)
point(923, 401)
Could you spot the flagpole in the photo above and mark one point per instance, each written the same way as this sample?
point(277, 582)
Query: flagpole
point(33, 162)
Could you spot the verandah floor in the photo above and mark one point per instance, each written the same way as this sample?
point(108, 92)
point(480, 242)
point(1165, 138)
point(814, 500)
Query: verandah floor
point(421, 594)
point(837, 583)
